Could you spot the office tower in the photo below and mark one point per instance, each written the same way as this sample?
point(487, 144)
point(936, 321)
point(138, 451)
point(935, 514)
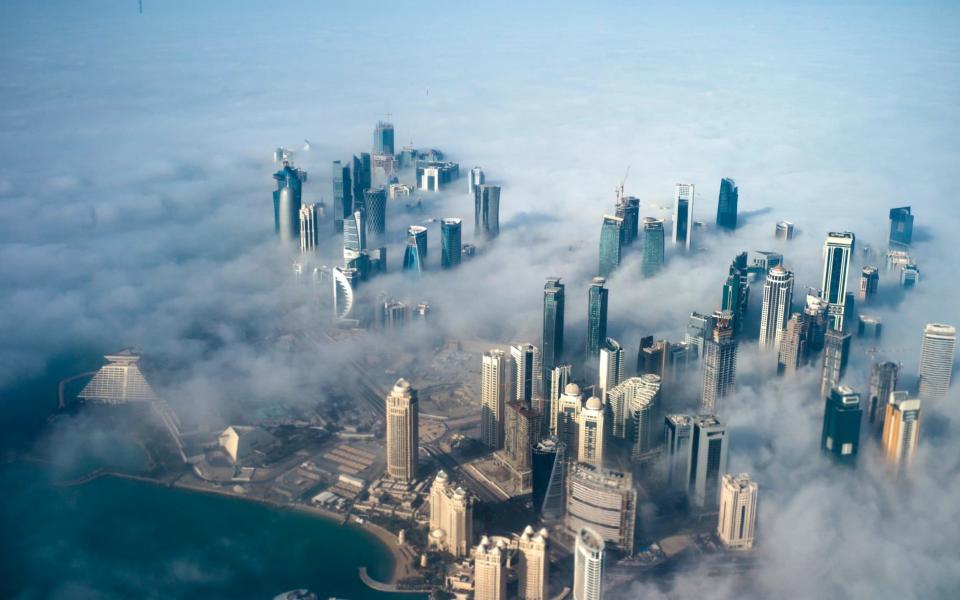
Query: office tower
point(836, 263)
point(738, 511)
point(596, 316)
point(344, 284)
point(490, 570)
point(549, 458)
point(719, 364)
point(883, 381)
point(897, 259)
point(534, 565)
point(433, 175)
point(681, 361)
point(552, 346)
point(286, 202)
point(611, 245)
point(592, 433)
point(628, 209)
point(653, 357)
point(652, 246)
point(621, 405)
point(841, 424)
point(393, 313)
point(678, 431)
point(869, 284)
point(836, 353)
point(521, 435)
point(451, 516)
point(342, 194)
point(611, 366)
point(308, 228)
point(560, 376)
point(815, 315)
point(415, 255)
point(869, 327)
point(383, 138)
point(421, 312)
point(375, 203)
point(901, 430)
point(354, 236)
point(776, 308)
point(708, 460)
point(528, 371)
point(119, 381)
point(736, 292)
point(936, 360)
point(588, 566)
point(784, 230)
point(794, 345)
point(699, 329)
point(362, 176)
point(901, 227)
point(761, 261)
point(475, 179)
point(566, 420)
point(727, 204)
point(642, 399)
point(909, 276)
point(486, 211)
point(494, 395)
point(603, 500)
point(450, 244)
point(683, 216)
point(403, 438)
point(468, 251)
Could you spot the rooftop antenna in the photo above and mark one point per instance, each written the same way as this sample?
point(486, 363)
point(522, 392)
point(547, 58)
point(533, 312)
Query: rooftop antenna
point(620, 187)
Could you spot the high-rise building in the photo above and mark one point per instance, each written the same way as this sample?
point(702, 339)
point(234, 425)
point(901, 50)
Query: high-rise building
point(534, 566)
point(836, 353)
point(707, 462)
point(286, 202)
point(566, 419)
point(644, 409)
point(521, 435)
point(490, 570)
point(683, 215)
point(552, 347)
point(345, 282)
point(342, 193)
point(621, 404)
point(588, 565)
point(737, 519)
point(719, 364)
point(678, 431)
point(549, 459)
point(682, 361)
point(784, 230)
point(451, 516)
point(611, 245)
point(869, 326)
point(362, 176)
point(628, 209)
point(592, 432)
point(486, 210)
point(794, 345)
point(727, 204)
point(375, 202)
point(901, 227)
point(450, 243)
point(119, 381)
point(936, 360)
point(901, 430)
point(308, 228)
point(596, 316)
point(897, 259)
point(605, 501)
point(841, 424)
point(699, 329)
point(475, 179)
point(415, 255)
point(776, 308)
point(560, 376)
point(653, 357)
point(433, 175)
point(869, 284)
point(652, 246)
point(528, 371)
point(761, 261)
point(837, 251)
point(883, 381)
point(383, 138)
point(402, 416)
point(815, 314)
point(611, 367)
point(494, 395)
point(909, 276)
point(393, 314)
point(736, 292)
point(354, 237)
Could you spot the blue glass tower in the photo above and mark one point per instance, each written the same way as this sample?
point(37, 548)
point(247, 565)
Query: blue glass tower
point(628, 209)
point(652, 246)
point(736, 292)
point(415, 256)
point(596, 317)
point(450, 244)
point(841, 425)
point(553, 307)
point(901, 227)
point(611, 244)
point(727, 204)
point(342, 194)
point(286, 202)
point(375, 205)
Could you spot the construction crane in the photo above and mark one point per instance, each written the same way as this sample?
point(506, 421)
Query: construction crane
point(619, 190)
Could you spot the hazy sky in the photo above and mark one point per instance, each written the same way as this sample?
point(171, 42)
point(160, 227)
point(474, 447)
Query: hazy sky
point(135, 162)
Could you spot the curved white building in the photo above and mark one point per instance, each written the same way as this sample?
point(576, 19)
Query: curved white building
point(936, 360)
point(588, 566)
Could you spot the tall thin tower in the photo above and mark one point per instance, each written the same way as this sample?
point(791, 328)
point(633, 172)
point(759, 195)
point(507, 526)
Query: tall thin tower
point(403, 417)
point(683, 215)
point(777, 303)
point(494, 394)
point(936, 360)
point(837, 251)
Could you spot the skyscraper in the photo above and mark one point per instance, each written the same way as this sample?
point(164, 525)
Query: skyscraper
point(683, 215)
point(588, 566)
point(883, 381)
point(738, 511)
point(528, 372)
point(653, 357)
point(736, 292)
point(708, 461)
point(652, 246)
point(342, 194)
point(354, 237)
point(622, 402)
point(841, 424)
point(836, 263)
point(611, 244)
point(603, 500)
point(286, 202)
point(521, 435)
point(383, 138)
point(549, 459)
point(450, 250)
point(628, 209)
point(699, 329)
point(776, 308)
point(402, 415)
point(643, 397)
point(869, 284)
point(909, 276)
point(678, 431)
point(794, 345)
point(494, 395)
point(375, 203)
point(592, 433)
point(901, 430)
point(560, 376)
point(308, 228)
point(486, 211)
point(552, 348)
point(611, 366)
point(415, 255)
point(719, 364)
point(784, 230)
point(815, 315)
point(476, 178)
point(362, 176)
point(490, 570)
point(566, 420)
point(901, 227)
point(596, 316)
point(869, 327)
point(451, 514)
point(936, 360)
point(534, 565)
point(836, 353)
point(727, 204)
point(344, 285)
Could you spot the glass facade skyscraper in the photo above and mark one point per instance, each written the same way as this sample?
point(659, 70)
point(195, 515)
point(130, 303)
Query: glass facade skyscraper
point(652, 246)
point(683, 215)
point(836, 353)
point(628, 209)
point(596, 317)
point(727, 204)
point(552, 344)
point(486, 211)
point(837, 251)
point(841, 424)
point(936, 360)
point(383, 138)
point(736, 292)
point(375, 204)
point(776, 308)
point(342, 194)
point(286, 202)
point(415, 256)
point(450, 244)
point(611, 244)
point(901, 227)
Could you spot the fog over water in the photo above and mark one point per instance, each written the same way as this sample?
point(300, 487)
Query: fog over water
point(135, 209)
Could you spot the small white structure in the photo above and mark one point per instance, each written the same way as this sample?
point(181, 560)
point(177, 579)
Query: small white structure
point(239, 441)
